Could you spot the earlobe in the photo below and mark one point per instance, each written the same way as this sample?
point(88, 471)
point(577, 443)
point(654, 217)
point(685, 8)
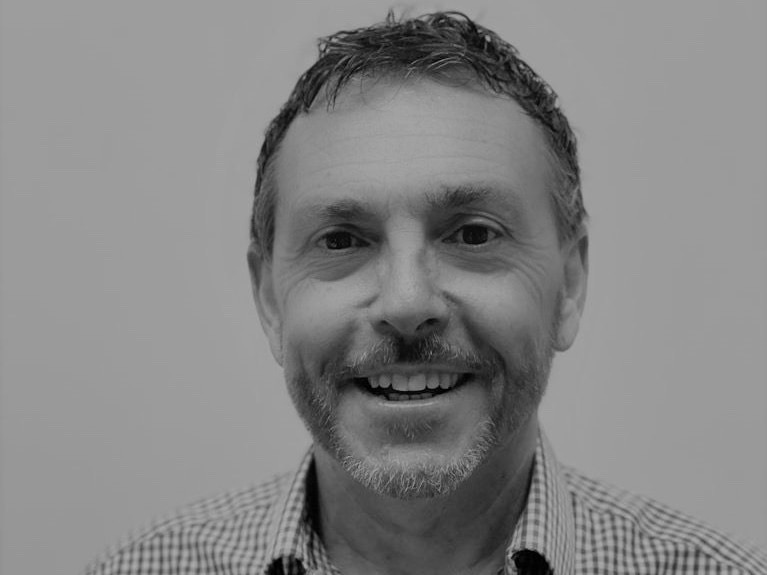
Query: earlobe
point(573, 294)
point(262, 283)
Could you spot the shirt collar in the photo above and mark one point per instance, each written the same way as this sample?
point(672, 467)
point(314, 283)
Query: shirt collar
point(292, 539)
point(545, 528)
point(547, 525)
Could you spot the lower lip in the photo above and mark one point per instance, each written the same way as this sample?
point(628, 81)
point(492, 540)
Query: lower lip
point(441, 401)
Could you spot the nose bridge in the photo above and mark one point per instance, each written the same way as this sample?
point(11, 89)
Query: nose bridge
point(408, 277)
point(410, 301)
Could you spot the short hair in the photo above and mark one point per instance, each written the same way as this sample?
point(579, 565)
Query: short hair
point(441, 46)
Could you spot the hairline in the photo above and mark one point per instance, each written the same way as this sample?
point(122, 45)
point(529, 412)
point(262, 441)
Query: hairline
point(454, 76)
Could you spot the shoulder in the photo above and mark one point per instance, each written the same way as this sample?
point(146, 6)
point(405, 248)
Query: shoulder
point(225, 530)
point(616, 528)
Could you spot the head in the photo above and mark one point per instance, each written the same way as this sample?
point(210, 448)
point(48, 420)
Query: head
point(418, 249)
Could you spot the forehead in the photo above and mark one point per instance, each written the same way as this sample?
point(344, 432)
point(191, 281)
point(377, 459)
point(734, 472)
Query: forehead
point(395, 140)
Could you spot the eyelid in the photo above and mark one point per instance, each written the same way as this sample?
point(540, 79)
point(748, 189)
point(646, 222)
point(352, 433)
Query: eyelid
point(321, 235)
point(495, 228)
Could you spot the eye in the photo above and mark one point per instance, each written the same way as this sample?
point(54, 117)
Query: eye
point(472, 235)
point(340, 240)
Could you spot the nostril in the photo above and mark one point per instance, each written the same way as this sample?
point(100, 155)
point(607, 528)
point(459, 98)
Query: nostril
point(405, 327)
point(428, 323)
point(409, 317)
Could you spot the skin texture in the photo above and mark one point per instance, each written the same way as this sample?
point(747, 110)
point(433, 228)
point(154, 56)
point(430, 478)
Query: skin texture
point(414, 231)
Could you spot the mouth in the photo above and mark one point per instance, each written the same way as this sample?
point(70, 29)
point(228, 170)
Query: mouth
point(412, 386)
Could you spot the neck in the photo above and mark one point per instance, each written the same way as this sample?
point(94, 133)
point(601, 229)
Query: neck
point(464, 532)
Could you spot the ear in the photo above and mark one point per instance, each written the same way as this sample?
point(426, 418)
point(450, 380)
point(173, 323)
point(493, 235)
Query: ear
point(262, 282)
point(573, 294)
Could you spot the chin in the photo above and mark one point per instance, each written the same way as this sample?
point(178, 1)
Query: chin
point(416, 473)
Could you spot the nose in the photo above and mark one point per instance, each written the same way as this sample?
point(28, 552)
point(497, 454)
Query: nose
point(410, 303)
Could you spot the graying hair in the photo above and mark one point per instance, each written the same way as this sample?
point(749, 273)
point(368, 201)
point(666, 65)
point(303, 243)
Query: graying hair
point(447, 47)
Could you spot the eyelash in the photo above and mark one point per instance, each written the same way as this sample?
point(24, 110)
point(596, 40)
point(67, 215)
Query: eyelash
point(358, 242)
point(491, 232)
point(354, 239)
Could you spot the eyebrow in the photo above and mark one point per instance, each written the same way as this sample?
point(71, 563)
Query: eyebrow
point(446, 198)
point(344, 209)
point(468, 195)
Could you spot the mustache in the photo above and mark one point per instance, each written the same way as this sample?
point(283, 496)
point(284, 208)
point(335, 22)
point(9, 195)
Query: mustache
point(431, 349)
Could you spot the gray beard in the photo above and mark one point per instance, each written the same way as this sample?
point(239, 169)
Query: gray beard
point(419, 481)
point(516, 394)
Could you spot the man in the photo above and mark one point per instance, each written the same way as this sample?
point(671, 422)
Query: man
point(419, 252)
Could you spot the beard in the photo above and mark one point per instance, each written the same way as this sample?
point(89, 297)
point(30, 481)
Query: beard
point(515, 393)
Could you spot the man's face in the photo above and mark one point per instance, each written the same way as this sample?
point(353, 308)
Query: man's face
point(417, 288)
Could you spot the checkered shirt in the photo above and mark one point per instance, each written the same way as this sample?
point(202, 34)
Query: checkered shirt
point(571, 525)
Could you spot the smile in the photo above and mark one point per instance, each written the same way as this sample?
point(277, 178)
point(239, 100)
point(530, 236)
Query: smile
point(411, 386)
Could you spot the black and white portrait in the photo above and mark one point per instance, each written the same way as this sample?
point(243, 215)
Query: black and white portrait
point(359, 287)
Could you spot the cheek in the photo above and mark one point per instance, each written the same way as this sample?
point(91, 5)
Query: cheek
point(318, 321)
point(507, 312)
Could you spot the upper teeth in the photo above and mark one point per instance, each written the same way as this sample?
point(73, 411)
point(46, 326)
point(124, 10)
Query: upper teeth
point(414, 381)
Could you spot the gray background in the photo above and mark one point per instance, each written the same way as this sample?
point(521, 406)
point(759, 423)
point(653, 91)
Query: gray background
point(135, 377)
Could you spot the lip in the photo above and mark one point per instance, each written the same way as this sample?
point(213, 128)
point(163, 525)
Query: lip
point(438, 422)
point(414, 421)
point(411, 369)
point(435, 404)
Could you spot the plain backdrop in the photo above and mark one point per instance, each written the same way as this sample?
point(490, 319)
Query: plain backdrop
point(135, 377)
